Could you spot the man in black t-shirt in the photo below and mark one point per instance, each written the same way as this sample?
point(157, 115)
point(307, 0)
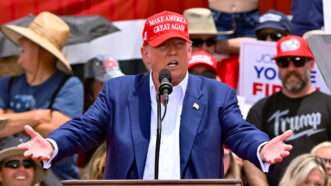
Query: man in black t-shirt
point(298, 106)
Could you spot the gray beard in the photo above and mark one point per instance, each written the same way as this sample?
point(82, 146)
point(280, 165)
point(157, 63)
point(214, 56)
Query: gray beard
point(298, 87)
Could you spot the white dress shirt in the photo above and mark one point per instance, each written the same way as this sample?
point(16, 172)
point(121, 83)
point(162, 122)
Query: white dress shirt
point(169, 158)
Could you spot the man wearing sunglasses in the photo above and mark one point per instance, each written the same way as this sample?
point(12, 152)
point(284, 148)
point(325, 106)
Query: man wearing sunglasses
point(298, 106)
point(15, 169)
point(272, 26)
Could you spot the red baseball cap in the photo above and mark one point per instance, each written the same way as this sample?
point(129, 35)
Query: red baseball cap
point(293, 46)
point(163, 26)
point(203, 58)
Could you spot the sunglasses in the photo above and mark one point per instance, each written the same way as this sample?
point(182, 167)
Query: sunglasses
point(15, 164)
point(274, 36)
point(208, 73)
point(199, 42)
point(325, 160)
point(284, 62)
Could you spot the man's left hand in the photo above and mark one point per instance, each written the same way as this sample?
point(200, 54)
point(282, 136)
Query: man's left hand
point(276, 150)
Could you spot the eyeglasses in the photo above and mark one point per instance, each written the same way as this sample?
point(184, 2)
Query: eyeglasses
point(15, 164)
point(208, 73)
point(199, 42)
point(284, 62)
point(274, 36)
point(325, 160)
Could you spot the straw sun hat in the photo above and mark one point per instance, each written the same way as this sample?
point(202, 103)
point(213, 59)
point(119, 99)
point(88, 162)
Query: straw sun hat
point(46, 30)
point(14, 151)
point(201, 21)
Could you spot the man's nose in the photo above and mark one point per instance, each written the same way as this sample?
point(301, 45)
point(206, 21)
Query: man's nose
point(21, 168)
point(268, 38)
point(172, 49)
point(291, 66)
point(204, 46)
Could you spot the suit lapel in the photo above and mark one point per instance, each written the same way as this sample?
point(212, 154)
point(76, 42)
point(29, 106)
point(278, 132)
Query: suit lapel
point(193, 109)
point(140, 115)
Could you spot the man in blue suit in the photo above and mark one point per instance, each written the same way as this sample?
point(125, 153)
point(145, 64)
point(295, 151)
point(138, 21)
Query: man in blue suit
point(202, 116)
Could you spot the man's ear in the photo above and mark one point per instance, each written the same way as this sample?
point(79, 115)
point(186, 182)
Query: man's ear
point(312, 64)
point(145, 56)
point(189, 51)
point(143, 51)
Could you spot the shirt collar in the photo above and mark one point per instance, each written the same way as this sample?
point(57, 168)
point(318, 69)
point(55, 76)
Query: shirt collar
point(182, 85)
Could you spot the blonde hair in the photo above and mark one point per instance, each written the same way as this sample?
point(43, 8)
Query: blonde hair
point(321, 145)
point(299, 169)
point(96, 166)
point(234, 171)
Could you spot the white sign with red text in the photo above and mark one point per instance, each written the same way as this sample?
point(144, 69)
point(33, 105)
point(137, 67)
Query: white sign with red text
point(259, 73)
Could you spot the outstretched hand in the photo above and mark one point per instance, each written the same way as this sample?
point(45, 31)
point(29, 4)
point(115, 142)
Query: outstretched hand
point(37, 148)
point(276, 150)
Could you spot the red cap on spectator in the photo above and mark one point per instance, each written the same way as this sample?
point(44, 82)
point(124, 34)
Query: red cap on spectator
point(203, 58)
point(293, 46)
point(163, 26)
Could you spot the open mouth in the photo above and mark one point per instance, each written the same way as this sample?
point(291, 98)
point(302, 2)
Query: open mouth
point(172, 64)
point(20, 177)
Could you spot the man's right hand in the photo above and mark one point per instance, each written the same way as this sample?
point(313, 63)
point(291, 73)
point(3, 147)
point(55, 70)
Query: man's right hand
point(37, 148)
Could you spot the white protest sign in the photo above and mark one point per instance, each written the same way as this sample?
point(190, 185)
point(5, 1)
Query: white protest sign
point(259, 73)
point(320, 44)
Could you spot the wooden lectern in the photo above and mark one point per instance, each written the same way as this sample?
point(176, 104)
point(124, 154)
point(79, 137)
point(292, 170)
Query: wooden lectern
point(184, 182)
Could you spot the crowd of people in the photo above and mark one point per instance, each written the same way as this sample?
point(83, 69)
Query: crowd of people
point(55, 127)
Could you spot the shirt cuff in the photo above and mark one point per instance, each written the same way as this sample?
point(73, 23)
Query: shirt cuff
point(264, 166)
point(47, 164)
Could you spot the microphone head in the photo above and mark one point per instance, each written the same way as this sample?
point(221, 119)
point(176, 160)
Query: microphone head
point(165, 82)
point(164, 73)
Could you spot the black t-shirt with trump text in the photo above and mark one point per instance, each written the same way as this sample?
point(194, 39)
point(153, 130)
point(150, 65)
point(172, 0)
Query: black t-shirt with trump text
point(309, 117)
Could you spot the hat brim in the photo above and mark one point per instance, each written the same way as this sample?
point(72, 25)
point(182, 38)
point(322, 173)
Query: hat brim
point(271, 25)
point(202, 64)
point(14, 33)
point(292, 55)
point(109, 76)
point(212, 33)
point(159, 40)
point(9, 152)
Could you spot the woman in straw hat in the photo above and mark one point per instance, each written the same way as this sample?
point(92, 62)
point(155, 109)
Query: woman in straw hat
point(15, 169)
point(46, 95)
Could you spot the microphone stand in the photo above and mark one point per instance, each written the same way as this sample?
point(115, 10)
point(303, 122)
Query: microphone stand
point(158, 133)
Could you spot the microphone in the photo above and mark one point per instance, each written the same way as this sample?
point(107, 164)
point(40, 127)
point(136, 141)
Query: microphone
point(165, 87)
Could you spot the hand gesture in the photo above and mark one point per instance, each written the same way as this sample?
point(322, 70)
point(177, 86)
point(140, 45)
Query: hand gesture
point(37, 148)
point(276, 150)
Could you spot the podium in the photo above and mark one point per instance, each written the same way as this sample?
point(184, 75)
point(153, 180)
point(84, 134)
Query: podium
point(184, 182)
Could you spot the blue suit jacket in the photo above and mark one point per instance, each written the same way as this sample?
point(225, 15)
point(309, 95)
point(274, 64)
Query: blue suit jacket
point(121, 115)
